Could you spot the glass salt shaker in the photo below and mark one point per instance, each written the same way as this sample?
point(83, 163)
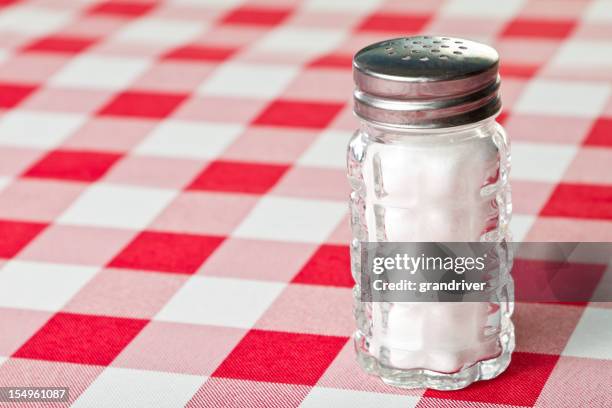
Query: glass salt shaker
point(429, 164)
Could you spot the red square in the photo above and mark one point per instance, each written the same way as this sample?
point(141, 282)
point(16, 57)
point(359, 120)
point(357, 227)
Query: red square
point(393, 22)
point(12, 94)
point(520, 385)
point(531, 27)
point(200, 53)
point(315, 115)
point(14, 235)
point(502, 118)
point(333, 61)
point(4, 3)
point(256, 16)
point(166, 252)
point(122, 8)
point(580, 201)
point(546, 281)
point(82, 339)
point(290, 358)
point(526, 71)
point(143, 104)
point(240, 177)
point(600, 134)
point(60, 44)
point(73, 165)
point(330, 266)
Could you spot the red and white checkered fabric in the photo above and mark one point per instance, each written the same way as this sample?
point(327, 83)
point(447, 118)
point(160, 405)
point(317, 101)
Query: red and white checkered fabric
point(173, 217)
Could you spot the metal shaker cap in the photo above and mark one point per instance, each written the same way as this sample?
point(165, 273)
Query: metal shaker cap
point(426, 82)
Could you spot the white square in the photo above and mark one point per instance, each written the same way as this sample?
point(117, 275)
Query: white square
point(97, 72)
point(592, 337)
point(32, 20)
point(341, 5)
point(257, 81)
point(218, 4)
point(520, 226)
point(301, 40)
point(598, 11)
point(338, 398)
point(196, 140)
point(41, 286)
point(292, 219)
point(580, 54)
point(161, 31)
point(5, 181)
point(130, 388)
point(37, 129)
point(540, 161)
point(109, 205)
point(221, 302)
point(4, 54)
point(479, 8)
point(329, 150)
point(572, 98)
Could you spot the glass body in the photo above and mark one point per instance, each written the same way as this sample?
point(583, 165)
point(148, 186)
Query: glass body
point(439, 185)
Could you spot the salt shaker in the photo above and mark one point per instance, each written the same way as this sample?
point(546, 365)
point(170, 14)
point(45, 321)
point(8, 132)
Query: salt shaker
point(429, 164)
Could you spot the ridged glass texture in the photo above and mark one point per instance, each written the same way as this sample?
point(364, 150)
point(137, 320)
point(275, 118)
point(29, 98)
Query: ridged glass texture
point(443, 185)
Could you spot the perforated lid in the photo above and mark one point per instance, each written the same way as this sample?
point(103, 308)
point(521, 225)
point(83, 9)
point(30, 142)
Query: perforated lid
point(426, 82)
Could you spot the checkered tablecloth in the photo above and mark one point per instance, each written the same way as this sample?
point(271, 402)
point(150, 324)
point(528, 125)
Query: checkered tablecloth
point(173, 202)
